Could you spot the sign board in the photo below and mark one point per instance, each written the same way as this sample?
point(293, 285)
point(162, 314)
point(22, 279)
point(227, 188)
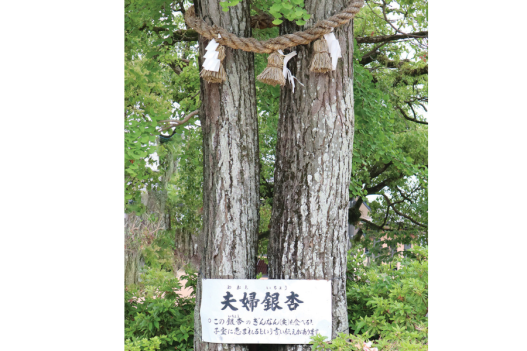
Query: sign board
point(249, 311)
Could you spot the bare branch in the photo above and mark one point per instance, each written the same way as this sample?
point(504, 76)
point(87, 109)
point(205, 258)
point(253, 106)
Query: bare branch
point(383, 6)
point(392, 205)
point(376, 188)
point(378, 171)
point(408, 118)
point(393, 37)
point(375, 225)
point(172, 123)
point(371, 55)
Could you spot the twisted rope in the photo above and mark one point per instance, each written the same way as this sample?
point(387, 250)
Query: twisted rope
point(278, 43)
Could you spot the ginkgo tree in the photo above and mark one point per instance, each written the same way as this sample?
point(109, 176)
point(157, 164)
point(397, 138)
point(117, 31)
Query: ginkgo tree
point(385, 148)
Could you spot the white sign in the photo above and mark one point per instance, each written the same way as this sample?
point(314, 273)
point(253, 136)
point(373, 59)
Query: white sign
point(249, 311)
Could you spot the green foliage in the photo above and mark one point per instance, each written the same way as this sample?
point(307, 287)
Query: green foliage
point(344, 342)
point(390, 156)
point(155, 314)
point(155, 311)
point(185, 194)
point(292, 10)
point(161, 82)
point(144, 107)
point(226, 4)
point(143, 344)
point(411, 199)
point(263, 231)
point(268, 106)
point(387, 304)
point(381, 137)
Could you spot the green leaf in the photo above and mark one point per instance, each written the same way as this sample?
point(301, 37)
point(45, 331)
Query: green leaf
point(275, 8)
point(300, 23)
point(359, 326)
point(277, 21)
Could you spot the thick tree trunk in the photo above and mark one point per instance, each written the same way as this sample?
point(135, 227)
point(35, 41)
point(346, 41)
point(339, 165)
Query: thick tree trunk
point(308, 238)
point(230, 152)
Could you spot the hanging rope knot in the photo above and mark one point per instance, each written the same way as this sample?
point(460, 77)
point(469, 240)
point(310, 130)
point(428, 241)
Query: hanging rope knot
point(321, 62)
point(272, 74)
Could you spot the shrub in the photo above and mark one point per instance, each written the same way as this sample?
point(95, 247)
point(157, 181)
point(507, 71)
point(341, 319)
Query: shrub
point(346, 342)
point(389, 305)
point(156, 317)
point(143, 344)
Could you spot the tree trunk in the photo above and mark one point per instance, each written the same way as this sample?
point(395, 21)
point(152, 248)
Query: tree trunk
point(186, 250)
point(308, 238)
point(230, 153)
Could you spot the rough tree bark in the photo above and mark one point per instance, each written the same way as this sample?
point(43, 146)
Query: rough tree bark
point(230, 152)
point(308, 236)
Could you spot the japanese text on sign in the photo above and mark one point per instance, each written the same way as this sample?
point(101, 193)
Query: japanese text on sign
point(265, 311)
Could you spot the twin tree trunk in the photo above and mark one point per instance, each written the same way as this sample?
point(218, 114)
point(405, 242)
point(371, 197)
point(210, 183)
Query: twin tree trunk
point(231, 157)
point(308, 238)
point(308, 235)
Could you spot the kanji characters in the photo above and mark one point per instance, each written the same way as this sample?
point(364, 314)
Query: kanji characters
point(292, 301)
point(228, 302)
point(249, 303)
point(271, 301)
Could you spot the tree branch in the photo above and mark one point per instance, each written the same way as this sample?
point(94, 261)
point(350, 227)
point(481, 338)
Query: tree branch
point(392, 205)
point(171, 123)
point(177, 67)
point(392, 37)
point(408, 118)
point(383, 6)
point(177, 35)
point(376, 188)
point(378, 171)
point(262, 20)
point(371, 55)
point(374, 225)
point(263, 235)
point(268, 188)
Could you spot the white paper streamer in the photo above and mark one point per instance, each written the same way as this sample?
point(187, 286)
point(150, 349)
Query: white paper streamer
point(334, 48)
point(287, 73)
point(211, 57)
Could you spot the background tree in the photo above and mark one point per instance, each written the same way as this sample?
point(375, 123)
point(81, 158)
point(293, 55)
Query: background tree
point(390, 157)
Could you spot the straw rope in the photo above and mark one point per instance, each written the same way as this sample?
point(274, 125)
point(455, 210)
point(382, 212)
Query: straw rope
point(278, 43)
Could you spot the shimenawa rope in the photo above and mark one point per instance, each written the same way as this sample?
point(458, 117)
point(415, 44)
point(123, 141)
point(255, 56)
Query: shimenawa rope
point(279, 43)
